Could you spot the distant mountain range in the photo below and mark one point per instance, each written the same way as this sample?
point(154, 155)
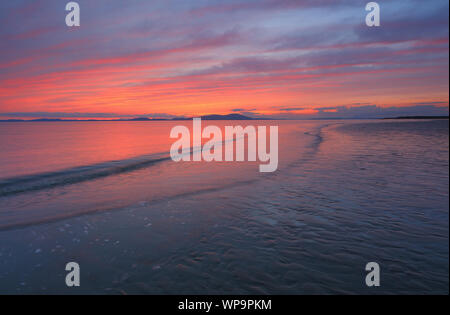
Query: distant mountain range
point(206, 117)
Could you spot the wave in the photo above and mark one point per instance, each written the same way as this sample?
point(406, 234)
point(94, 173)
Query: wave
point(40, 181)
point(26, 183)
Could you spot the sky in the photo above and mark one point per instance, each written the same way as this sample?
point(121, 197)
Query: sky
point(262, 58)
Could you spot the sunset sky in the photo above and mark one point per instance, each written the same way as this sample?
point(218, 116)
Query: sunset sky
point(277, 58)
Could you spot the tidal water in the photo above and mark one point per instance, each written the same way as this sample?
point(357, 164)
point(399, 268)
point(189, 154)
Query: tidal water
point(106, 195)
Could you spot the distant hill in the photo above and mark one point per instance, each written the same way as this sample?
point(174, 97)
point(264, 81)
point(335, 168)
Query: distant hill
point(226, 117)
point(220, 117)
point(206, 117)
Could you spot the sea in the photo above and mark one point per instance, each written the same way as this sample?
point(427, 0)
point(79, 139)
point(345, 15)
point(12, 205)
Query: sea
point(107, 196)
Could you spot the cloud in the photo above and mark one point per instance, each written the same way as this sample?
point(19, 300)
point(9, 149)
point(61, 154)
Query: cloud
point(230, 7)
point(197, 56)
point(292, 109)
point(365, 111)
point(419, 22)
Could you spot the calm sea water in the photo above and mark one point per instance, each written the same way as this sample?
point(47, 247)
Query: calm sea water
point(104, 194)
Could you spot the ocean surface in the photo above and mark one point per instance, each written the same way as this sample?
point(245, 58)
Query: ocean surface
point(107, 196)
